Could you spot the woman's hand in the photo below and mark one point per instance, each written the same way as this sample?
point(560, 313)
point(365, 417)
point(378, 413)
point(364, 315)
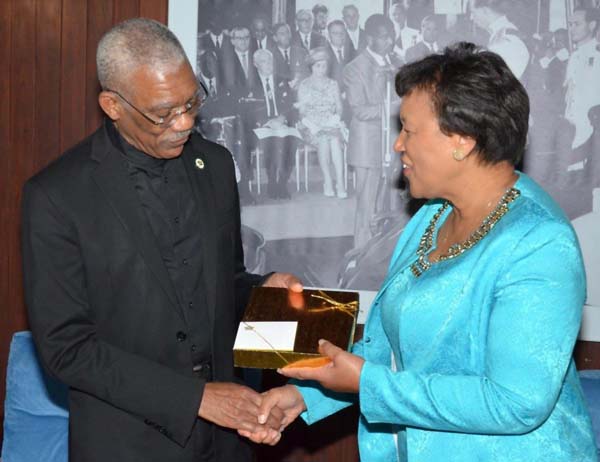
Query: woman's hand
point(342, 374)
point(287, 399)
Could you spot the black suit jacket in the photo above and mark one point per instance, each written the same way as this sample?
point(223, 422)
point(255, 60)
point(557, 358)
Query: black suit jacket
point(417, 52)
point(362, 41)
point(297, 68)
point(336, 68)
point(104, 313)
point(316, 40)
point(284, 99)
point(234, 78)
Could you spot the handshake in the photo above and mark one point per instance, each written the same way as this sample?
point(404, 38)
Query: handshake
point(259, 417)
point(262, 417)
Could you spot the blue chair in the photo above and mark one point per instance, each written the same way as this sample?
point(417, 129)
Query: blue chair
point(36, 416)
point(590, 383)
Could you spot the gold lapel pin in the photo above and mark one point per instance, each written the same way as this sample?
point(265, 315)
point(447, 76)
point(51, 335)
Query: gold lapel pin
point(199, 163)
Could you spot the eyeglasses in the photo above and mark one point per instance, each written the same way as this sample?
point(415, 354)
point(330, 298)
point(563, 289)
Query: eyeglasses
point(190, 107)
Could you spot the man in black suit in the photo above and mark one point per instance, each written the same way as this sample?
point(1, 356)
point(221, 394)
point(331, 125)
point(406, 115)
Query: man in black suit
point(430, 33)
point(274, 110)
point(261, 38)
point(215, 39)
point(356, 35)
point(239, 73)
point(289, 60)
point(341, 52)
point(321, 18)
point(134, 273)
point(305, 36)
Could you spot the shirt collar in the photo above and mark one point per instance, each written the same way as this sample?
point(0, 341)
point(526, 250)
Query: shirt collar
point(378, 58)
point(151, 165)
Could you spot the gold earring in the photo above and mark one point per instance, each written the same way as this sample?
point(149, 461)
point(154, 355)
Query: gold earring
point(458, 155)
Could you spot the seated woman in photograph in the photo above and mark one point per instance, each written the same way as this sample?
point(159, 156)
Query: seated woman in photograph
point(321, 126)
point(467, 350)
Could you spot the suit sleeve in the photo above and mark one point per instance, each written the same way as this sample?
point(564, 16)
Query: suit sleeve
point(535, 317)
point(362, 107)
point(60, 316)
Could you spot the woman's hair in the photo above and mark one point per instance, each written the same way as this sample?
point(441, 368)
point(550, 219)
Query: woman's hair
point(317, 54)
point(474, 94)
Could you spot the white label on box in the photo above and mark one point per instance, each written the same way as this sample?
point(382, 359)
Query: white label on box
point(263, 335)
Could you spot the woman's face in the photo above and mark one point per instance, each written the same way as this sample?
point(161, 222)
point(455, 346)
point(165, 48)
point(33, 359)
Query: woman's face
point(319, 69)
point(426, 152)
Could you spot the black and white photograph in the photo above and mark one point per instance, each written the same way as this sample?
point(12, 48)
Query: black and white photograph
point(311, 120)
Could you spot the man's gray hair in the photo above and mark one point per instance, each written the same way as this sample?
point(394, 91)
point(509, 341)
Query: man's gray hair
point(134, 43)
point(304, 13)
point(261, 54)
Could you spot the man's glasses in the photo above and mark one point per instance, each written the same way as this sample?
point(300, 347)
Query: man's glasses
point(191, 107)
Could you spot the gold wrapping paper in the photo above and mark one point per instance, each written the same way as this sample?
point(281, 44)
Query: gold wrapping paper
point(327, 314)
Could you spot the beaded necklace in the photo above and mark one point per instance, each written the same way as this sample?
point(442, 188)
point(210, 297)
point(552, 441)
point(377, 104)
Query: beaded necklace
point(422, 263)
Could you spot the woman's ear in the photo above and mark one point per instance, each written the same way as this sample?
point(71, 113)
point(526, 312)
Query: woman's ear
point(465, 144)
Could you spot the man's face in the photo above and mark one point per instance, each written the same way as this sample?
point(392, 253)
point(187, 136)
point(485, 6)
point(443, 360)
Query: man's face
point(398, 15)
point(241, 40)
point(383, 42)
point(350, 16)
point(579, 27)
point(283, 37)
point(304, 23)
point(259, 29)
point(337, 35)
point(157, 93)
point(430, 31)
point(264, 64)
point(321, 19)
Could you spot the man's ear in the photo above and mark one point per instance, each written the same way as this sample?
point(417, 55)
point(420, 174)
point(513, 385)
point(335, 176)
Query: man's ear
point(109, 104)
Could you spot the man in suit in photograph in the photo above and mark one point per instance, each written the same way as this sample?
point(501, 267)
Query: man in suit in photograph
point(133, 268)
point(365, 80)
point(341, 52)
point(239, 76)
point(404, 36)
point(215, 39)
point(261, 37)
point(273, 110)
point(305, 36)
point(289, 60)
point(356, 34)
point(239, 73)
point(321, 18)
point(430, 33)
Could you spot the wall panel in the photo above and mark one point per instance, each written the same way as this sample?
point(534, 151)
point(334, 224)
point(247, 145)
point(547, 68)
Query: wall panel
point(72, 73)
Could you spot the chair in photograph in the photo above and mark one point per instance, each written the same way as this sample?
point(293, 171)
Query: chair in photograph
point(307, 149)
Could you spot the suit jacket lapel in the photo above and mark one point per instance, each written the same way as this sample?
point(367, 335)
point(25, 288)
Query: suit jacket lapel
point(112, 178)
point(197, 167)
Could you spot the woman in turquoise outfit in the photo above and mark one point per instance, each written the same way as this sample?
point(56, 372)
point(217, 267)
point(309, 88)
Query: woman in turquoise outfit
point(467, 351)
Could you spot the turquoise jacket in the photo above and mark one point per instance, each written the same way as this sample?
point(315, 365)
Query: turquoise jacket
point(481, 344)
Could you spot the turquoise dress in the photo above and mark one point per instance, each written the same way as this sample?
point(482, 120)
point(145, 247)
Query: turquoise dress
point(472, 361)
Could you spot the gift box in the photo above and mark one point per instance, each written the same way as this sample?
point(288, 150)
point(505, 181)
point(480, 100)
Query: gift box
point(280, 327)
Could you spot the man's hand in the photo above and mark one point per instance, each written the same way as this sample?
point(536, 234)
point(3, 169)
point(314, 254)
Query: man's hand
point(284, 280)
point(341, 374)
point(287, 399)
point(236, 406)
